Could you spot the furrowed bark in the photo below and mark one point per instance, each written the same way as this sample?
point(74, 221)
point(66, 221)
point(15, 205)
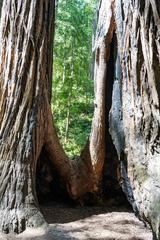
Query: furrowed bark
point(138, 31)
point(25, 115)
point(26, 124)
point(24, 77)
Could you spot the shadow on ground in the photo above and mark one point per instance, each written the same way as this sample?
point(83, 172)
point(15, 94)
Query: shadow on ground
point(95, 223)
point(84, 223)
point(63, 213)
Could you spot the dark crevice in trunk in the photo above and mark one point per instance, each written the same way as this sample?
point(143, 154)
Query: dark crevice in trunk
point(51, 188)
point(111, 161)
point(49, 185)
point(111, 187)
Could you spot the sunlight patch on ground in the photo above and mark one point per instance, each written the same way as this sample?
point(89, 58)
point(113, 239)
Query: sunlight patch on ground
point(115, 225)
point(109, 226)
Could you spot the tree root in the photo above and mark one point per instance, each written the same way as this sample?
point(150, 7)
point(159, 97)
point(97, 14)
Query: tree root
point(17, 220)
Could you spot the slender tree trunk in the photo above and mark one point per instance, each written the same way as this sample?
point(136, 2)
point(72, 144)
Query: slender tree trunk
point(64, 73)
point(69, 100)
point(68, 117)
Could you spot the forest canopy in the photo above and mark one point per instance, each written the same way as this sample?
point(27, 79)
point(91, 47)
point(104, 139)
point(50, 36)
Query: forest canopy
point(72, 101)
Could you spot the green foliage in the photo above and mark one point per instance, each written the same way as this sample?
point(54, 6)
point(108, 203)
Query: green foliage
point(72, 101)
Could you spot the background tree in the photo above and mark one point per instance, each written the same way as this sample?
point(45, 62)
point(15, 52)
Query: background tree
point(72, 100)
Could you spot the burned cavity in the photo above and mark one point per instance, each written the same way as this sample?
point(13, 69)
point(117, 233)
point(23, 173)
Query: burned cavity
point(49, 185)
point(111, 179)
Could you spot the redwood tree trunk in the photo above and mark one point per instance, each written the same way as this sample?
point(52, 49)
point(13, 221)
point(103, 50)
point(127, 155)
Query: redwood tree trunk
point(25, 117)
point(26, 126)
point(24, 78)
point(135, 112)
point(138, 31)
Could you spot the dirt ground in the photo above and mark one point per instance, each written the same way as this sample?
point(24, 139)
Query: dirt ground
point(84, 223)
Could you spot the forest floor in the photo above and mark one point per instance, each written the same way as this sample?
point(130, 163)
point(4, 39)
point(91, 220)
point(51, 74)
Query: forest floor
point(83, 223)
